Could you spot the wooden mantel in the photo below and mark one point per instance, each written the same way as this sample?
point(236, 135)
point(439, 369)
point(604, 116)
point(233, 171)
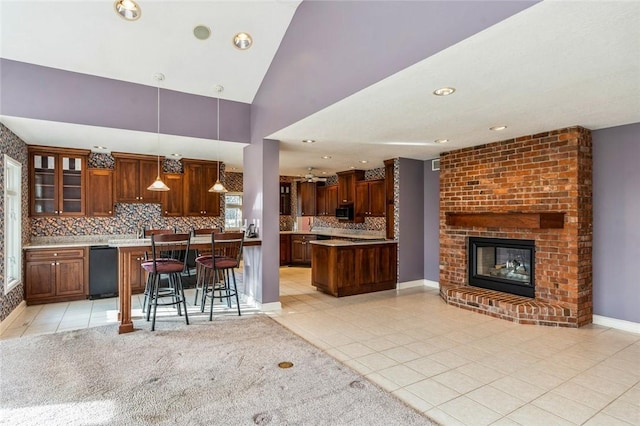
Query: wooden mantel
point(544, 220)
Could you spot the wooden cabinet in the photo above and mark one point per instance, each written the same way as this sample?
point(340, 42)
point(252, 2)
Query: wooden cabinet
point(100, 192)
point(199, 176)
point(133, 174)
point(56, 275)
point(326, 200)
point(285, 198)
point(172, 200)
point(285, 249)
point(354, 269)
point(347, 185)
point(370, 199)
point(301, 249)
point(57, 181)
point(132, 268)
point(306, 199)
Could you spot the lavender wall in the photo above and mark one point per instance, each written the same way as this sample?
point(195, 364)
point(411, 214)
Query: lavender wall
point(15, 148)
point(261, 201)
point(431, 223)
point(44, 93)
point(333, 49)
point(616, 231)
point(411, 220)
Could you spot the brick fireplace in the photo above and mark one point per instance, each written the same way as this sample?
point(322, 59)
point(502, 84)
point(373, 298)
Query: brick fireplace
point(537, 188)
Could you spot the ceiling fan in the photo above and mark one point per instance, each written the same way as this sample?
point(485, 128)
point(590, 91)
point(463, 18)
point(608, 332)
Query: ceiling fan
point(310, 177)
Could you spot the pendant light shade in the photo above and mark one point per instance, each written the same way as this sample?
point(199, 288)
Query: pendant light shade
point(158, 184)
point(218, 186)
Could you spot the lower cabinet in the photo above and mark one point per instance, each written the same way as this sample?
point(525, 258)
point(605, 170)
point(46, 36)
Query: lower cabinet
point(285, 249)
point(56, 275)
point(301, 249)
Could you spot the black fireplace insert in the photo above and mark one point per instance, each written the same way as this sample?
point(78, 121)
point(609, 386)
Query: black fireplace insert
point(501, 264)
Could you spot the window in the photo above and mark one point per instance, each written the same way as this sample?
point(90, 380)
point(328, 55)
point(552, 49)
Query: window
point(233, 210)
point(12, 223)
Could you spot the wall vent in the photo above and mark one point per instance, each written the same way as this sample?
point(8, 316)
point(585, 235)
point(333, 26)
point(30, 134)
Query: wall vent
point(435, 165)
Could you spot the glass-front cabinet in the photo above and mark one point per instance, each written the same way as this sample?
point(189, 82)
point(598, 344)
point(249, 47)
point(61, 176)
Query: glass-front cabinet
point(58, 182)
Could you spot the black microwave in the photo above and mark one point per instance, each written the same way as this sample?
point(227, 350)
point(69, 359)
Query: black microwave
point(344, 213)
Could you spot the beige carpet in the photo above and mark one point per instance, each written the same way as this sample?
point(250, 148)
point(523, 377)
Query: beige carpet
point(220, 373)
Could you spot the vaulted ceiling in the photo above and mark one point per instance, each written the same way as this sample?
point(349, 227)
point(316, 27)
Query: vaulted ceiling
point(552, 65)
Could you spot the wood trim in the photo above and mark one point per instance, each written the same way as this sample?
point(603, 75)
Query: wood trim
point(545, 220)
point(48, 150)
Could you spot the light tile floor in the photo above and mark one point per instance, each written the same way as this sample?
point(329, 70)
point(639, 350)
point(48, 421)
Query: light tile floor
point(458, 367)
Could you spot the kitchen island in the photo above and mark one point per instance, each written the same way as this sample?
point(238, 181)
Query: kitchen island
point(344, 268)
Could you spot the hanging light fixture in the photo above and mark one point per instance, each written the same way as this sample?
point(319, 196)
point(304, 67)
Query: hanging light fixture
point(218, 186)
point(158, 184)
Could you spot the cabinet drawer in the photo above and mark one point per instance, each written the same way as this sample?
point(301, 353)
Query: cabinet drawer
point(33, 255)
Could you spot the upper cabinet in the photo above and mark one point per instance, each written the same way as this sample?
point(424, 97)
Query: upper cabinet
point(100, 192)
point(326, 200)
point(57, 179)
point(347, 185)
point(199, 176)
point(285, 198)
point(172, 200)
point(134, 173)
point(306, 199)
point(370, 199)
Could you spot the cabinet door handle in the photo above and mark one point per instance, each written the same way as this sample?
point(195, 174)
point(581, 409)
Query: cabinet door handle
point(109, 211)
point(58, 263)
point(55, 254)
point(53, 264)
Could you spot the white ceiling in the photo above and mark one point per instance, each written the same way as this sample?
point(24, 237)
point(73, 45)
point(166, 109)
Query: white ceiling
point(556, 64)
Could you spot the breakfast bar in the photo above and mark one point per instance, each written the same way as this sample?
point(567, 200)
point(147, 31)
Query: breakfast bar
point(129, 270)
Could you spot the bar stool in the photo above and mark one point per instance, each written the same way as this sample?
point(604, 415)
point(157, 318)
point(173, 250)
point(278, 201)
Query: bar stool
point(219, 278)
point(201, 255)
point(167, 260)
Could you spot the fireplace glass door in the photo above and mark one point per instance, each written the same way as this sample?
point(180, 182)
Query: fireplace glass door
point(505, 265)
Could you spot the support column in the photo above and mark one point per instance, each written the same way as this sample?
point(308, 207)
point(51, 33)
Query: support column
point(260, 205)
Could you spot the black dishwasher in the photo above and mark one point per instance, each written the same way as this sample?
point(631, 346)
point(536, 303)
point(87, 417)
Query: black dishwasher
point(103, 272)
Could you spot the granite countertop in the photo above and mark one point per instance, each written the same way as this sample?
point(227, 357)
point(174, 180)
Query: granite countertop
point(134, 242)
point(340, 233)
point(344, 243)
point(74, 241)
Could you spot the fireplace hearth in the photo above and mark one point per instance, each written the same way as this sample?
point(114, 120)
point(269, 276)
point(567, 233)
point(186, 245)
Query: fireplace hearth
point(506, 265)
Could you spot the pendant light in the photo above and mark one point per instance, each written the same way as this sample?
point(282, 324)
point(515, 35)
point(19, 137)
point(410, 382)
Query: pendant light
point(218, 186)
point(158, 184)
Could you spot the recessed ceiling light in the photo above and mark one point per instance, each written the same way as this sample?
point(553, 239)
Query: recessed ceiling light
point(308, 141)
point(352, 167)
point(441, 140)
point(326, 157)
point(201, 32)
point(497, 128)
point(99, 147)
point(363, 161)
point(444, 91)
point(242, 41)
point(127, 9)
point(176, 155)
point(324, 173)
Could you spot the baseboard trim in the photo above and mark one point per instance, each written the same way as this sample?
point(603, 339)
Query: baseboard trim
point(269, 307)
point(6, 323)
point(418, 283)
point(632, 327)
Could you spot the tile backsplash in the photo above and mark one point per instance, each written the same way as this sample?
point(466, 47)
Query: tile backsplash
point(128, 218)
